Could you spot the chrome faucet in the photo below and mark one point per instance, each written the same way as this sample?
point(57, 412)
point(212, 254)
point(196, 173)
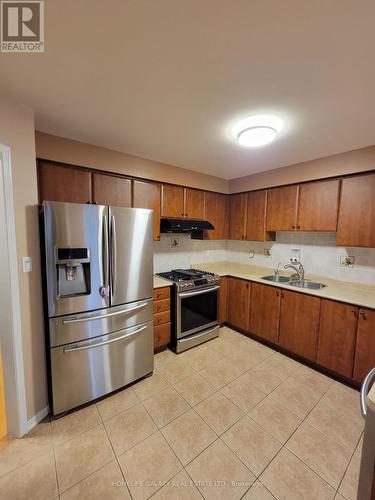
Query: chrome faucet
point(300, 271)
point(276, 272)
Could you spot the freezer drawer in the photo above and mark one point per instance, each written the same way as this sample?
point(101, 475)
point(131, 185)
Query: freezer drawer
point(73, 328)
point(84, 371)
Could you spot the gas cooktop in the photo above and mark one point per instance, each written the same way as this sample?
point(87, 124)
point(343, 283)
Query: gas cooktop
point(191, 278)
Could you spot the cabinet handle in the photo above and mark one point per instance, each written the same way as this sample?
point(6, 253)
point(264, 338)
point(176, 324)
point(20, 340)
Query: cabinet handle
point(277, 293)
point(186, 214)
point(362, 314)
point(354, 311)
point(298, 226)
point(293, 226)
point(282, 295)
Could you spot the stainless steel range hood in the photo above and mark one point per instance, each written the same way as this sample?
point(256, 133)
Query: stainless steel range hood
point(184, 225)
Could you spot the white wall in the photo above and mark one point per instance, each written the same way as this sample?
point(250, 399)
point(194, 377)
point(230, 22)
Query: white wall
point(319, 254)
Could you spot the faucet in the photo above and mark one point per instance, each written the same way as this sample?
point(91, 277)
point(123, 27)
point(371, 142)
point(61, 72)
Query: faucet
point(276, 272)
point(300, 271)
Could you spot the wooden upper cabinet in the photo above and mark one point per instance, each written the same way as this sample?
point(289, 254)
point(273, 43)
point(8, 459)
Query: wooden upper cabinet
point(112, 190)
point(223, 302)
point(256, 217)
point(67, 184)
point(282, 208)
point(216, 212)
point(318, 205)
point(172, 201)
point(356, 224)
point(238, 302)
point(337, 337)
point(299, 323)
point(147, 195)
point(237, 217)
point(194, 203)
point(265, 311)
point(365, 349)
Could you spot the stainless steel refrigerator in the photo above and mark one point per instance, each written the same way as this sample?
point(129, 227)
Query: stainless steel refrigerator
point(98, 294)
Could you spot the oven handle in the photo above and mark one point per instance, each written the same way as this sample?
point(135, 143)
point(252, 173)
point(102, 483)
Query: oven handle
point(183, 295)
point(76, 347)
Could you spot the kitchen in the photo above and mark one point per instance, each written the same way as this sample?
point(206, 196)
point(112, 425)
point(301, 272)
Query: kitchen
point(246, 370)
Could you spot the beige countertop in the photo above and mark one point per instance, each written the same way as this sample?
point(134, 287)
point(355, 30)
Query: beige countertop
point(161, 282)
point(342, 291)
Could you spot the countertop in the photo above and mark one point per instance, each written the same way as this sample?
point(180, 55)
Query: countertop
point(342, 291)
point(161, 282)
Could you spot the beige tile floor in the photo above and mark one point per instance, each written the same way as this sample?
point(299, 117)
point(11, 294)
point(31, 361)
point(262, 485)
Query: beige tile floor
point(230, 419)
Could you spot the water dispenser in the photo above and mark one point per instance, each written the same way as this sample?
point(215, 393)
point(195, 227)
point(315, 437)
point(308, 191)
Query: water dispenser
point(73, 271)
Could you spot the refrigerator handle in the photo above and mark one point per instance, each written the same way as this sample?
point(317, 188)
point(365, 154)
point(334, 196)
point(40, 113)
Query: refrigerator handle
point(113, 254)
point(105, 252)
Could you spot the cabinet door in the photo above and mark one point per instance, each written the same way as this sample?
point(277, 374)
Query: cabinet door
point(67, 184)
point(299, 323)
point(318, 205)
point(112, 190)
point(282, 208)
point(147, 195)
point(265, 311)
point(337, 336)
point(256, 217)
point(238, 302)
point(356, 225)
point(223, 299)
point(194, 203)
point(172, 201)
point(365, 349)
point(216, 212)
point(237, 222)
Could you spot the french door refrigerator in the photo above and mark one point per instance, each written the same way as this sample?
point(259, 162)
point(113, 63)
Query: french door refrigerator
point(98, 295)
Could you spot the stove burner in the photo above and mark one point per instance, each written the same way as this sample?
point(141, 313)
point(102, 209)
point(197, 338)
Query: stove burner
point(190, 278)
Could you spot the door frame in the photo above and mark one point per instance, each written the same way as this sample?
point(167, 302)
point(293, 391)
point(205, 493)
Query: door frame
point(13, 361)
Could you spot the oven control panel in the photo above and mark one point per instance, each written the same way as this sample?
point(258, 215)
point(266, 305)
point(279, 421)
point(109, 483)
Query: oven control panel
point(197, 283)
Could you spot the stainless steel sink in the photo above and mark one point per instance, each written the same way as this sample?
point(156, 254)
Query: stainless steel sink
point(312, 285)
point(276, 278)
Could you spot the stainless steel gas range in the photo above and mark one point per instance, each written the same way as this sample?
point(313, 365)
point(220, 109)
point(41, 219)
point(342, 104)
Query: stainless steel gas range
point(195, 307)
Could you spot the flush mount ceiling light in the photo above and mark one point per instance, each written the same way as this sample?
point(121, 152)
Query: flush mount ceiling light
point(258, 130)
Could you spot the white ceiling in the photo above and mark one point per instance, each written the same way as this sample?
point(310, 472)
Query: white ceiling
point(165, 79)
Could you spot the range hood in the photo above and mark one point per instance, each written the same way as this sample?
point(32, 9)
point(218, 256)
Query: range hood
point(184, 225)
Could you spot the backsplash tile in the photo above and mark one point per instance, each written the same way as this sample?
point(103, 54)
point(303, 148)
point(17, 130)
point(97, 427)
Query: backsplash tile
point(319, 254)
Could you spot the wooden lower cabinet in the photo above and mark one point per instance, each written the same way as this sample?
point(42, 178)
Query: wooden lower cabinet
point(238, 302)
point(299, 323)
point(265, 311)
point(337, 337)
point(162, 317)
point(223, 301)
point(364, 359)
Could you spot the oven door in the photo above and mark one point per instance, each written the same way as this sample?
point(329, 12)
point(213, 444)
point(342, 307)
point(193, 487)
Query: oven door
point(197, 310)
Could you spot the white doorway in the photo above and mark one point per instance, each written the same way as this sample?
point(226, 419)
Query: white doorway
point(10, 325)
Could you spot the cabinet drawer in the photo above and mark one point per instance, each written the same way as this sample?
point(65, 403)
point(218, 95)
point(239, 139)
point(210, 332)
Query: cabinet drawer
point(162, 293)
point(162, 335)
point(162, 305)
point(161, 318)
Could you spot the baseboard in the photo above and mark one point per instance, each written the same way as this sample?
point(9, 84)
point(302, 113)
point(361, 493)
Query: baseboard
point(37, 418)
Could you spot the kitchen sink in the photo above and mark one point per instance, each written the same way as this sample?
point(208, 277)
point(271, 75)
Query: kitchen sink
point(276, 278)
point(312, 285)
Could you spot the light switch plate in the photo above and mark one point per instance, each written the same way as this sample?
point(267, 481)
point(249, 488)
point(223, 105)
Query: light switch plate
point(27, 265)
point(175, 242)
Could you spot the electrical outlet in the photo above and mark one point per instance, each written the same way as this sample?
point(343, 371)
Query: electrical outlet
point(347, 260)
point(251, 254)
point(295, 255)
point(267, 252)
point(175, 242)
